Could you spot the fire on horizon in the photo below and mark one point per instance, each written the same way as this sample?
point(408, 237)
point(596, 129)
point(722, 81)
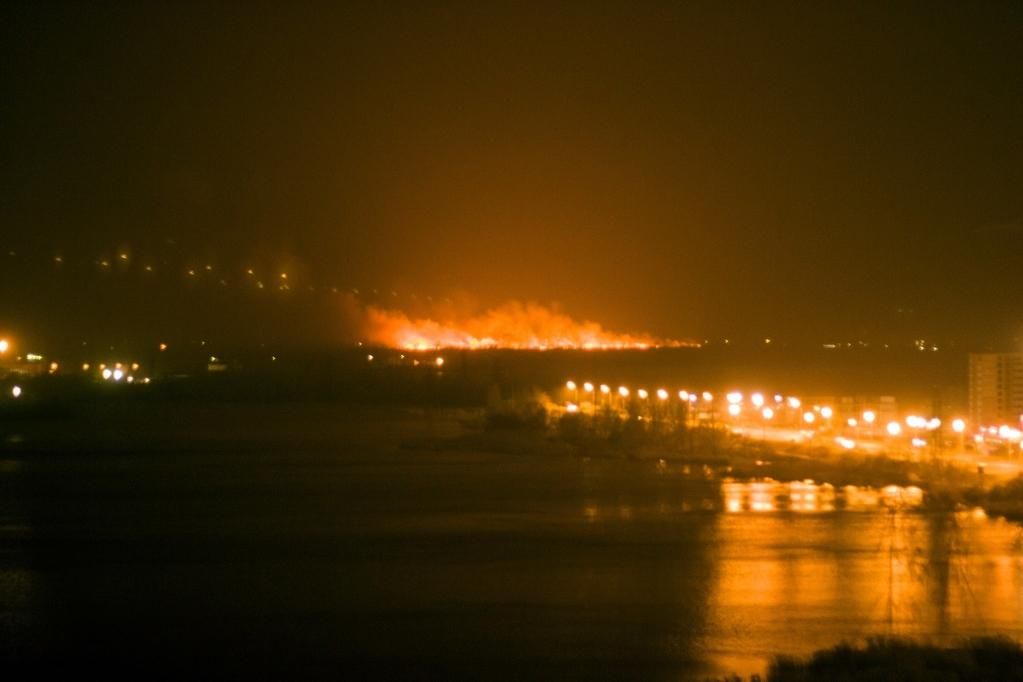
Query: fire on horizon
point(514, 325)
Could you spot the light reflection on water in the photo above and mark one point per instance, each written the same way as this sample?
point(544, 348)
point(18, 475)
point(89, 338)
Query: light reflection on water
point(519, 560)
point(769, 495)
point(795, 583)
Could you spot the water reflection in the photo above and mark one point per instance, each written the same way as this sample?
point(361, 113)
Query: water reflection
point(768, 495)
point(794, 583)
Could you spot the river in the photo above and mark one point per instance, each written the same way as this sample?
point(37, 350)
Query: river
point(270, 555)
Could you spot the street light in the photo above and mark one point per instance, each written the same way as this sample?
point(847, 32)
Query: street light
point(869, 416)
point(4, 345)
point(894, 428)
point(958, 425)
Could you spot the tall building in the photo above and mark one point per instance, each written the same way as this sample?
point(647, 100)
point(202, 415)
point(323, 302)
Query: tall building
point(996, 388)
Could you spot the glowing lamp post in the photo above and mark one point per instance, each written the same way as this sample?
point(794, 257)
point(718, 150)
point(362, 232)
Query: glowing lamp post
point(869, 417)
point(959, 426)
point(572, 389)
point(768, 414)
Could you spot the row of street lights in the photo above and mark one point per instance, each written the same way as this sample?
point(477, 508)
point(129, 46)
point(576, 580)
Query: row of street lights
point(815, 418)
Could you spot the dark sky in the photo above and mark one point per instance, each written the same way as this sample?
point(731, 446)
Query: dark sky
point(687, 169)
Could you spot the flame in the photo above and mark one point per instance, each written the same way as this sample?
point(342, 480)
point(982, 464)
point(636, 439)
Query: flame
point(511, 325)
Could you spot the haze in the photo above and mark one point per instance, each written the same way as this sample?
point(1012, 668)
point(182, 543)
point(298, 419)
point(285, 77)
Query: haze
point(684, 171)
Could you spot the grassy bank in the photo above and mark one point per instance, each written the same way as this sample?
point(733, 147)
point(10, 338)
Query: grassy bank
point(898, 660)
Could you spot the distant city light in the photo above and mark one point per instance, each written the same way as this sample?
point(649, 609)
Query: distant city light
point(851, 421)
point(809, 417)
point(767, 413)
point(894, 428)
point(735, 397)
point(662, 394)
point(16, 391)
point(604, 388)
point(827, 412)
point(570, 385)
point(734, 409)
point(869, 416)
point(4, 345)
point(708, 396)
point(846, 443)
point(439, 362)
point(572, 407)
point(794, 403)
point(623, 391)
point(757, 399)
point(958, 425)
point(118, 374)
point(588, 387)
point(642, 394)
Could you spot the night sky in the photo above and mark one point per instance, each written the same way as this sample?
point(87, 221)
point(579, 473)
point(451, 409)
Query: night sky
point(687, 169)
